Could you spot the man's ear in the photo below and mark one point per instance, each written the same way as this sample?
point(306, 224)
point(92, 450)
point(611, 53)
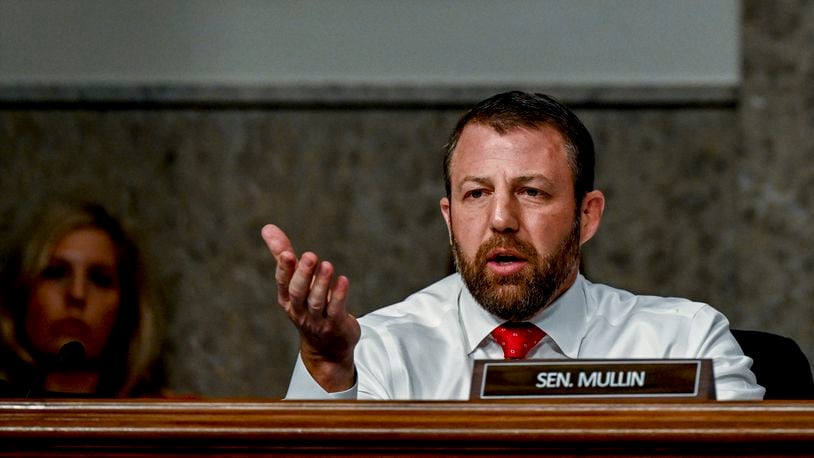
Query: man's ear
point(445, 211)
point(593, 206)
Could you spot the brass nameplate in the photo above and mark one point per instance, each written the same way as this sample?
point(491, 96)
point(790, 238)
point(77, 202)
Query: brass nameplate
point(603, 378)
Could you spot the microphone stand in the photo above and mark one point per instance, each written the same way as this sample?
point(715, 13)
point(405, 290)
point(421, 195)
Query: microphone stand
point(70, 355)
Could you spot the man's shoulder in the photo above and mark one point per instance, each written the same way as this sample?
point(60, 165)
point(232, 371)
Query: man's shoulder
point(604, 299)
point(428, 305)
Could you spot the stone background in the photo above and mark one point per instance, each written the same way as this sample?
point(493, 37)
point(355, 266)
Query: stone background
point(707, 193)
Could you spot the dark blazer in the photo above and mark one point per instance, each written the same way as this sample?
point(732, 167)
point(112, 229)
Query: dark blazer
point(779, 364)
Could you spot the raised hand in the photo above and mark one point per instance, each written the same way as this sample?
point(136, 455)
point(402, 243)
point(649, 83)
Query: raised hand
point(315, 303)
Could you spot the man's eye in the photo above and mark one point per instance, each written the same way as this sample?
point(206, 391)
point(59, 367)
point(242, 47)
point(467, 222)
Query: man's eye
point(475, 194)
point(531, 192)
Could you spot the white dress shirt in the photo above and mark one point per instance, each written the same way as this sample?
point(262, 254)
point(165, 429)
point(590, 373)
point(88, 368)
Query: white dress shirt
point(425, 346)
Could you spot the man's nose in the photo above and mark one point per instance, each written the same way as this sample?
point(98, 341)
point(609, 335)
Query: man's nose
point(504, 213)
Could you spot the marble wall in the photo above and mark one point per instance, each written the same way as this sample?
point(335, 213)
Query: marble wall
point(358, 186)
point(774, 170)
point(707, 199)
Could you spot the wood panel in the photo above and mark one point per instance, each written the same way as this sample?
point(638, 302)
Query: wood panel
point(237, 428)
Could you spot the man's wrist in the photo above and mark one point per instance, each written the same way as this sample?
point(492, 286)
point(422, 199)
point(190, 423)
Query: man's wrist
point(332, 376)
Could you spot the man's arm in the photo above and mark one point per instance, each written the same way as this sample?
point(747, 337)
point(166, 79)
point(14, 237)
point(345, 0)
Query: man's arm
point(306, 291)
point(711, 338)
point(303, 386)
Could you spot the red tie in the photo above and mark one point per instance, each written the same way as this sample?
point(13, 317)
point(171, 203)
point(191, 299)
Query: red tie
point(517, 338)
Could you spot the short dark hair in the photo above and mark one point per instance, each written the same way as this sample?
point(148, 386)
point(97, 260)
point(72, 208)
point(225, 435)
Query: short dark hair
point(514, 109)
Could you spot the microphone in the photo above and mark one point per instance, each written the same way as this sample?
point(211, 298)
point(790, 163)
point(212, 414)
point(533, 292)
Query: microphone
point(70, 356)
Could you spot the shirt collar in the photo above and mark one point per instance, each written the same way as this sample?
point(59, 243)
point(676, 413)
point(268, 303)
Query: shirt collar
point(476, 322)
point(563, 320)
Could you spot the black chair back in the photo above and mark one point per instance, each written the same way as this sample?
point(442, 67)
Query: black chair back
point(779, 364)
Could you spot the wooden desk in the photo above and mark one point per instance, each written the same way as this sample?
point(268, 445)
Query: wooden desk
point(238, 428)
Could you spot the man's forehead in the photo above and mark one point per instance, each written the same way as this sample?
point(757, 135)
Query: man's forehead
point(483, 145)
point(498, 128)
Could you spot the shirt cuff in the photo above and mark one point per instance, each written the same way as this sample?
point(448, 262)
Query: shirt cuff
point(303, 386)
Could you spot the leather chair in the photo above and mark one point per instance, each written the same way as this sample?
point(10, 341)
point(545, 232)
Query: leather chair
point(779, 364)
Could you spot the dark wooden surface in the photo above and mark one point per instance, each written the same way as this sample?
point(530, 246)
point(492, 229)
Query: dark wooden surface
point(239, 428)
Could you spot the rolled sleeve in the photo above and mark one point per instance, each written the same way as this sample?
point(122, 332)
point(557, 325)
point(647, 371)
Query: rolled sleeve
point(303, 386)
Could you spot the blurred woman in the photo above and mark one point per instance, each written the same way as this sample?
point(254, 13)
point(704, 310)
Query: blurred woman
point(76, 317)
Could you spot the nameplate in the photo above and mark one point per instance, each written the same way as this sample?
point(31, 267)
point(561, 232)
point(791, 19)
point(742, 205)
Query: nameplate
point(628, 378)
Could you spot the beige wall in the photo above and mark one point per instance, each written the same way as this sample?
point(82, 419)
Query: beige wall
point(449, 42)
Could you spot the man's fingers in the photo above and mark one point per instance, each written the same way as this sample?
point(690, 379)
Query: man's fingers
point(276, 240)
point(300, 284)
point(305, 292)
point(280, 247)
point(339, 294)
point(318, 296)
point(286, 264)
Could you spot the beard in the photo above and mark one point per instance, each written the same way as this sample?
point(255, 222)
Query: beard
point(518, 296)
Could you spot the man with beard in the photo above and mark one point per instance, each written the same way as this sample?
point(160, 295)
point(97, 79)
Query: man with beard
point(519, 204)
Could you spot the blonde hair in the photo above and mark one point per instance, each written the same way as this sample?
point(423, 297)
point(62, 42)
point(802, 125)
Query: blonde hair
point(132, 351)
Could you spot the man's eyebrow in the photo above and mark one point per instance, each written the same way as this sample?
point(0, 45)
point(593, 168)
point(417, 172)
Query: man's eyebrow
point(530, 178)
point(522, 179)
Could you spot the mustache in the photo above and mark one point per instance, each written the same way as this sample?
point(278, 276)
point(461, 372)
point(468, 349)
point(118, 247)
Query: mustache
point(525, 249)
